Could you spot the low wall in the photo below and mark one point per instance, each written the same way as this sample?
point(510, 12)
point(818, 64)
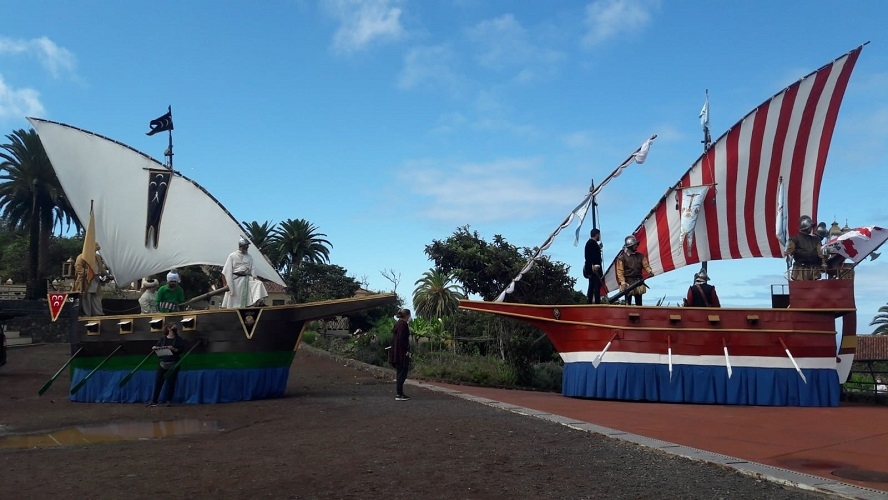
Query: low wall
point(32, 318)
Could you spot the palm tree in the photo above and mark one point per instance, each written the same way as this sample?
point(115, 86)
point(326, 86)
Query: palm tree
point(881, 319)
point(31, 198)
point(296, 241)
point(436, 296)
point(262, 235)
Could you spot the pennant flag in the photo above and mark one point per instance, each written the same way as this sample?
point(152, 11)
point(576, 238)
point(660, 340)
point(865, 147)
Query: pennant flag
point(857, 243)
point(691, 201)
point(704, 113)
point(782, 221)
point(158, 186)
point(89, 246)
point(580, 212)
point(161, 124)
point(641, 155)
point(56, 303)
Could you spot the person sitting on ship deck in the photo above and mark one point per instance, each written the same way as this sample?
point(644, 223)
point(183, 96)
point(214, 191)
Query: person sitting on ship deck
point(171, 295)
point(632, 266)
point(701, 293)
point(806, 252)
point(149, 294)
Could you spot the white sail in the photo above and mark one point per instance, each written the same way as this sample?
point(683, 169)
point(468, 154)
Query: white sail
point(192, 227)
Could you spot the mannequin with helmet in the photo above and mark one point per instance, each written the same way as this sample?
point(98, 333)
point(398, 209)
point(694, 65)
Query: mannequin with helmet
point(632, 266)
point(701, 293)
point(808, 261)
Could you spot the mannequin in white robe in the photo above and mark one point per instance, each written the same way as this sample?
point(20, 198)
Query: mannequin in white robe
point(244, 290)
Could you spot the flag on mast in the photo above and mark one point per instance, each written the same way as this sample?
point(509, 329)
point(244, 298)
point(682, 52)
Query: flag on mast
point(161, 124)
point(704, 113)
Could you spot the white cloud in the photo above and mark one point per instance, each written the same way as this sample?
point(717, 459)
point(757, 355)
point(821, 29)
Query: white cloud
point(364, 22)
point(508, 189)
point(57, 60)
point(608, 19)
point(503, 43)
point(430, 66)
point(18, 103)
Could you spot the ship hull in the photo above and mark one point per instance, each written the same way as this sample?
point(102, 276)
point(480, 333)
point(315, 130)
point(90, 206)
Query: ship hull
point(774, 356)
point(232, 354)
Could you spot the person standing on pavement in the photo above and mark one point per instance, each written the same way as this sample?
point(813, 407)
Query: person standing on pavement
point(399, 354)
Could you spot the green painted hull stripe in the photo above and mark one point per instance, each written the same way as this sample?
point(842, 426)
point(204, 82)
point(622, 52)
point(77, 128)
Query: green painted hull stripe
point(196, 361)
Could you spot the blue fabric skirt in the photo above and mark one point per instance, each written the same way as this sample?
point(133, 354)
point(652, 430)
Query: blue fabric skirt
point(192, 386)
point(701, 384)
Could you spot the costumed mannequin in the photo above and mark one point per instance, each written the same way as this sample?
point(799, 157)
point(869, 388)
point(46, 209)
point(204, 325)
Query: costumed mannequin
point(701, 293)
point(244, 290)
point(805, 249)
point(87, 282)
point(631, 268)
point(149, 294)
point(170, 296)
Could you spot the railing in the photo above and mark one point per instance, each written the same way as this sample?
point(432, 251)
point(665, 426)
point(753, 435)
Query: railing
point(868, 378)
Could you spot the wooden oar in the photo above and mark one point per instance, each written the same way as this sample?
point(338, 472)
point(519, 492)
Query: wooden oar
point(90, 374)
point(172, 370)
point(52, 379)
point(204, 296)
point(130, 374)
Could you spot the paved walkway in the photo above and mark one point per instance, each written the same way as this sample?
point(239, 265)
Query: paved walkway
point(841, 450)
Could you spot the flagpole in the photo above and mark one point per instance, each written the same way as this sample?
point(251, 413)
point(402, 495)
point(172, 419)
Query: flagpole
point(169, 151)
point(707, 142)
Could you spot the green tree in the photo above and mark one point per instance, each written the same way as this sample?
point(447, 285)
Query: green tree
point(436, 296)
point(298, 241)
point(32, 199)
point(313, 281)
point(881, 319)
point(486, 269)
point(262, 235)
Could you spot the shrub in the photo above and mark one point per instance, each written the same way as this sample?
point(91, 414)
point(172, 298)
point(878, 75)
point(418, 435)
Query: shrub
point(310, 337)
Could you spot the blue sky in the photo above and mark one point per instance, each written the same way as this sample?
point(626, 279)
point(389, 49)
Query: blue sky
point(389, 124)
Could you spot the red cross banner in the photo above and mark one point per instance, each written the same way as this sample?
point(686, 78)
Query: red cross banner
point(56, 303)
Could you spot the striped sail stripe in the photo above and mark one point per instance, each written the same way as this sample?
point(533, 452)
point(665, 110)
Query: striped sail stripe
point(786, 136)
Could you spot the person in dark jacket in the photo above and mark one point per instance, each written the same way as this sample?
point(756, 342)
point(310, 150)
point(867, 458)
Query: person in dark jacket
point(592, 266)
point(701, 293)
point(172, 341)
point(399, 354)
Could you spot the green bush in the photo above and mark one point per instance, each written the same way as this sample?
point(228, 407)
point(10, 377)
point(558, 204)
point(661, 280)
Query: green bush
point(547, 376)
point(310, 337)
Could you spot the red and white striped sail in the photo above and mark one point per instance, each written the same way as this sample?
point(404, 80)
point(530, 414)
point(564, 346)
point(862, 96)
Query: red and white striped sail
point(786, 136)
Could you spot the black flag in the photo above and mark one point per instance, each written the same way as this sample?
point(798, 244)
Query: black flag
point(161, 124)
